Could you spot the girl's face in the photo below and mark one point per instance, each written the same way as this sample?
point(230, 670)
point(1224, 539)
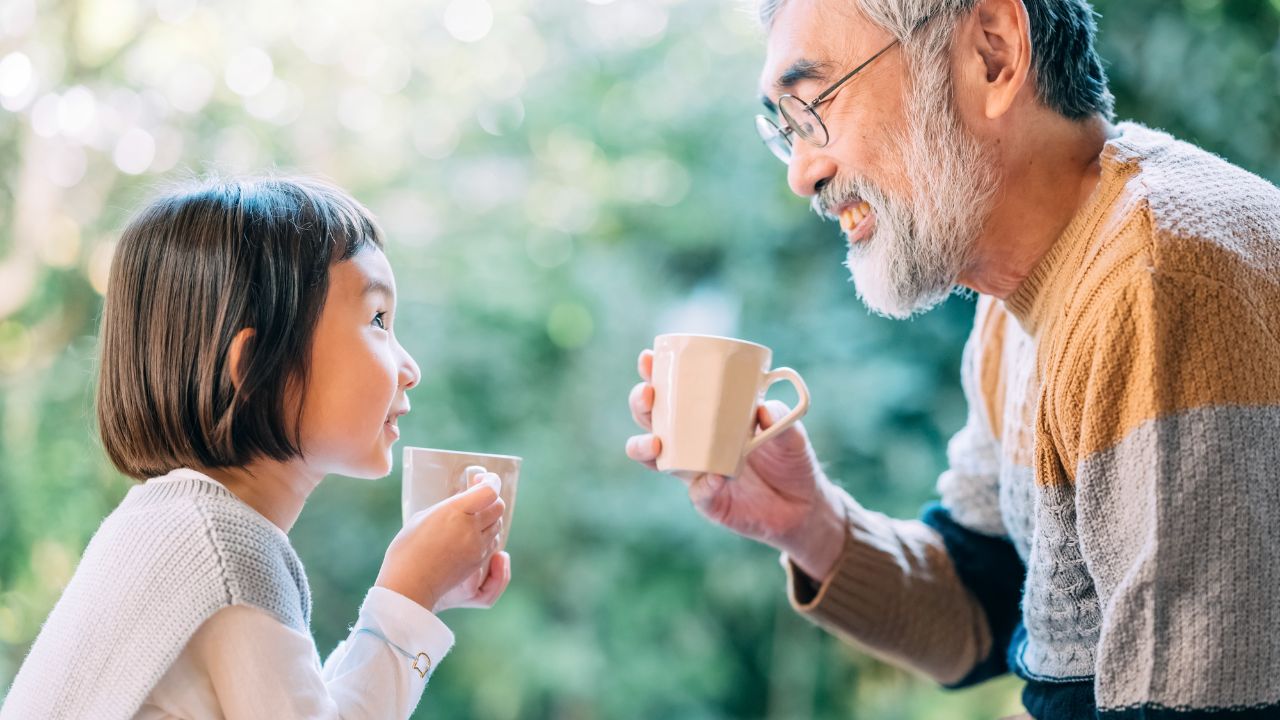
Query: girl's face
point(359, 372)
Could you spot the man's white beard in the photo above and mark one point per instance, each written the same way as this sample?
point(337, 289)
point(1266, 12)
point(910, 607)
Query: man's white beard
point(922, 244)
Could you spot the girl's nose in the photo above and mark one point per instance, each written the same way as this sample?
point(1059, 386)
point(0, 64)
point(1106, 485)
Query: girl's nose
point(410, 374)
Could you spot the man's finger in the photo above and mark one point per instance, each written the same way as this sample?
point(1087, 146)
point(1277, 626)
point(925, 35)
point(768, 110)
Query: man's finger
point(772, 411)
point(704, 490)
point(644, 365)
point(641, 403)
point(644, 449)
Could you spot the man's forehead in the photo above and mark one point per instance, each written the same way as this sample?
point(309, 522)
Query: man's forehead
point(807, 41)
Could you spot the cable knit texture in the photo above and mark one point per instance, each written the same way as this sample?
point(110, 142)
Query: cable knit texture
point(176, 550)
point(1124, 437)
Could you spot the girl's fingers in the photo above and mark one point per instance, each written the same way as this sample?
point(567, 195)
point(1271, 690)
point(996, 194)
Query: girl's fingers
point(496, 582)
point(492, 531)
point(486, 516)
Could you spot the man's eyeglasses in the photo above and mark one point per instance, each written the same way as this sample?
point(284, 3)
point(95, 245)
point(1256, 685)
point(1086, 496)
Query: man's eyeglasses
point(802, 118)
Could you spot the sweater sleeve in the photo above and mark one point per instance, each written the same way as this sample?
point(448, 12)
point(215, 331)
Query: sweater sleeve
point(895, 593)
point(938, 595)
point(1170, 425)
point(244, 664)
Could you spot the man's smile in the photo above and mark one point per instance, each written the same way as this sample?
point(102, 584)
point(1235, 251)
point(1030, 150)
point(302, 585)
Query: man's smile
point(857, 221)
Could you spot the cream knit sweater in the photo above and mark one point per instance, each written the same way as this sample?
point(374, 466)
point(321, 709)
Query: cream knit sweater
point(169, 557)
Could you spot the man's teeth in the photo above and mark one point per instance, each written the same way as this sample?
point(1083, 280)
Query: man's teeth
point(851, 216)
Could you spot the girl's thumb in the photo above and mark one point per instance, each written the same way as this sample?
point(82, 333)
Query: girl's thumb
point(484, 488)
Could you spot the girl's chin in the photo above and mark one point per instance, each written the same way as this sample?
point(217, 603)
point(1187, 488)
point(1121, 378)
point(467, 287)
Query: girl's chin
point(377, 467)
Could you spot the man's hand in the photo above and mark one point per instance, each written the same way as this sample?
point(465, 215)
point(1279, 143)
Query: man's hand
point(782, 498)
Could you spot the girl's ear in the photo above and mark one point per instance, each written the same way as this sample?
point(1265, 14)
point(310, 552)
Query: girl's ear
point(236, 353)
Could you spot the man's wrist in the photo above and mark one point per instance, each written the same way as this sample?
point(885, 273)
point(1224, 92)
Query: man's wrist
point(818, 542)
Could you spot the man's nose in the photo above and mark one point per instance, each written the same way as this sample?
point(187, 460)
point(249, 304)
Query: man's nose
point(810, 169)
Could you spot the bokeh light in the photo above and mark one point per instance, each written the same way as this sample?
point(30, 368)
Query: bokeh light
point(468, 20)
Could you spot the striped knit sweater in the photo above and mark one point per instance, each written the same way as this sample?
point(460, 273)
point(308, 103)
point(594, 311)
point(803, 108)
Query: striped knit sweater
point(1109, 525)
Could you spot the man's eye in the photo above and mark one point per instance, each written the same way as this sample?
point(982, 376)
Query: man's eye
point(379, 321)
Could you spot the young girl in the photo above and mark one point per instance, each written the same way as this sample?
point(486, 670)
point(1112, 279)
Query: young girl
point(248, 350)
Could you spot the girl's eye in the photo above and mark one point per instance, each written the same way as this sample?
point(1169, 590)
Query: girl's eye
point(379, 322)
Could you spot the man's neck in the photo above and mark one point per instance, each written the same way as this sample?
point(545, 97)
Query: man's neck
point(277, 490)
point(1048, 176)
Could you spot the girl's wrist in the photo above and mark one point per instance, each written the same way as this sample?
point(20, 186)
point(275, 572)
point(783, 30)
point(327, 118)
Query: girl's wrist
point(427, 599)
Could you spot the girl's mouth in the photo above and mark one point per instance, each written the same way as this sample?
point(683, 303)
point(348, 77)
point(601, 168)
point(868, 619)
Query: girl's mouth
point(391, 424)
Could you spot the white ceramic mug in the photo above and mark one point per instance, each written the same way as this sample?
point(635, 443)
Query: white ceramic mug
point(706, 390)
point(434, 475)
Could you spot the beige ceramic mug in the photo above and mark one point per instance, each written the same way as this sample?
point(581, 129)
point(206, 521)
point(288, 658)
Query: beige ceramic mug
point(434, 475)
point(706, 390)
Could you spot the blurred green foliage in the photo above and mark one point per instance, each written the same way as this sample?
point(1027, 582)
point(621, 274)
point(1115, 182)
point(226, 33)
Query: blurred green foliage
point(560, 181)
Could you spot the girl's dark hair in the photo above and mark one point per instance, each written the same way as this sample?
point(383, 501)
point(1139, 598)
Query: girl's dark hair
point(193, 269)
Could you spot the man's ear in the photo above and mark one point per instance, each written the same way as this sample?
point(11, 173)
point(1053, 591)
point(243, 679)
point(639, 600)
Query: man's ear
point(996, 53)
point(237, 353)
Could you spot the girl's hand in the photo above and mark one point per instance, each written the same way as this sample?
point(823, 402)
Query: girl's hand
point(439, 557)
point(482, 589)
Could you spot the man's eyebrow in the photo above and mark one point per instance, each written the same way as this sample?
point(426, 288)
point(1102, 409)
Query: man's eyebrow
point(799, 70)
point(802, 69)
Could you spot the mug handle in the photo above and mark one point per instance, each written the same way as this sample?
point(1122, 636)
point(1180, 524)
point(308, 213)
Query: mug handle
point(782, 373)
point(469, 474)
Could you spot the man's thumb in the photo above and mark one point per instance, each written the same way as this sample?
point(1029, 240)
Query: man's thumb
point(772, 411)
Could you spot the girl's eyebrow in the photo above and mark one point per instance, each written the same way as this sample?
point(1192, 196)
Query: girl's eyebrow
point(377, 286)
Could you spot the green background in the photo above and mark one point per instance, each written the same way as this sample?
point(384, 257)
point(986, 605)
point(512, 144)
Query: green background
point(556, 192)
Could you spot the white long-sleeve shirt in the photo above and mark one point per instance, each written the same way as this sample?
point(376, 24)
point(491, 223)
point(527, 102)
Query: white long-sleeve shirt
point(244, 664)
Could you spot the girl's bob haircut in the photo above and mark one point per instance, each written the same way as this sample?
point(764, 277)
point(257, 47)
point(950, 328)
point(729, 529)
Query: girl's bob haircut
point(192, 270)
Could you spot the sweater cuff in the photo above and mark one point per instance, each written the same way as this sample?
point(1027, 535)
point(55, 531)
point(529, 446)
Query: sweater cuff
point(407, 624)
point(848, 599)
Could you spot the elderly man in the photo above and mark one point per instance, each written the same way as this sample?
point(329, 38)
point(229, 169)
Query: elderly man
point(1109, 525)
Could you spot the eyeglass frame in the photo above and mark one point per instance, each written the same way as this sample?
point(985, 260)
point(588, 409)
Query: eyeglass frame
point(811, 107)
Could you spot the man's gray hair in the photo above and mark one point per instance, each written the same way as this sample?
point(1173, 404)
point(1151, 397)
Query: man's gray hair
point(1068, 72)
